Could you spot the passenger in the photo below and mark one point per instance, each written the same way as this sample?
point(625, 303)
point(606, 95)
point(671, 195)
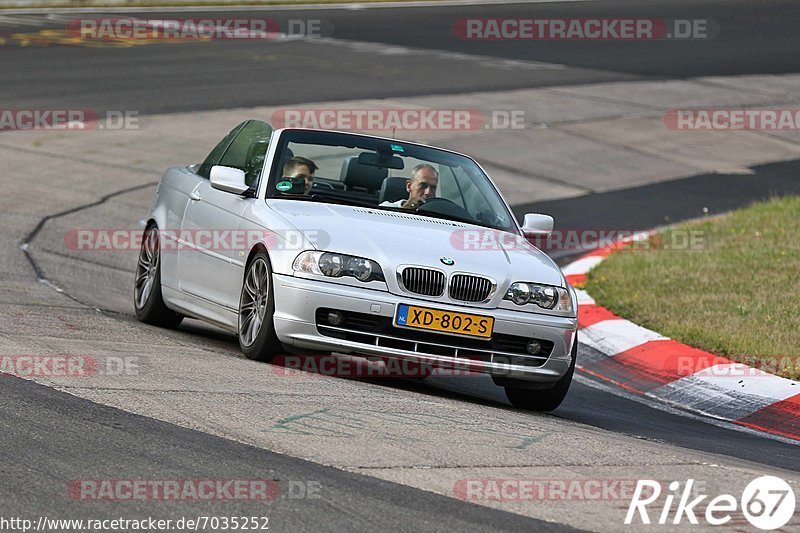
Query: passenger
point(421, 186)
point(301, 167)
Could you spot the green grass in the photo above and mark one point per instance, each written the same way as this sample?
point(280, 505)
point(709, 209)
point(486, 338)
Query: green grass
point(736, 294)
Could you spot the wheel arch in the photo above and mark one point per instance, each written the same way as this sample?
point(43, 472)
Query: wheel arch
point(255, 250)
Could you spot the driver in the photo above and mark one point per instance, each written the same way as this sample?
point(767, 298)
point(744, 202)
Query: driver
point(421, 186)
point(301, 167)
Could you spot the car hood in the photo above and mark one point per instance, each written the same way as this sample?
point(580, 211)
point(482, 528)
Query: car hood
point(394, 238)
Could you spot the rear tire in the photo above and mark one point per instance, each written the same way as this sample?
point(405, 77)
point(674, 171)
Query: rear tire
point(543, 400)
point(257, 337)
point(147, 298)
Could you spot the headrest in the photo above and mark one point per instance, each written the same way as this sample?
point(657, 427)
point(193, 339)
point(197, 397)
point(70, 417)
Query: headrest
point(357, 176)
point(285, 156)
point(393, 189)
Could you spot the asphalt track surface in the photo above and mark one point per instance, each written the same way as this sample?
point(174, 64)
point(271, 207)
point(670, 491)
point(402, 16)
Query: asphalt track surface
point(660, 204)
point(162, 78)
point(166, 78)
point(101, 439)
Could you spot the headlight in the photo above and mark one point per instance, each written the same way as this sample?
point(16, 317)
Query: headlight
point(335, 265)
point(544, 296)
point(331, 265)
point(359, 268)
point(519, 293)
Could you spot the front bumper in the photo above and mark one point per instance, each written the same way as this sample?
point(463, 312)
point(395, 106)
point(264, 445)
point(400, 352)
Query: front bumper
point(297, 300)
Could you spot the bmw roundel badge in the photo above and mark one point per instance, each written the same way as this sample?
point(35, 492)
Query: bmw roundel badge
point(447, 261)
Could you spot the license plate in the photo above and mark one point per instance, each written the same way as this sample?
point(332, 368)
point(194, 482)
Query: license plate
point(411, 316)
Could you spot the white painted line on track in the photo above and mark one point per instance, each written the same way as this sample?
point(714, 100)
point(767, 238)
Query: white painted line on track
point(583, 297)
point(665, 407)
point(617, 336)
point(725, 391)
point(395, 50)
point(740, 377)
point(583, 265)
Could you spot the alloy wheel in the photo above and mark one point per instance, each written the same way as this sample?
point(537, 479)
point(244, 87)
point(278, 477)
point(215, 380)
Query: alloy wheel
point(146, 268)
point(255, 298)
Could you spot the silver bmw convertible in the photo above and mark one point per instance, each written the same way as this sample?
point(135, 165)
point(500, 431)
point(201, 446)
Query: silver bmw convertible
point(315, 241)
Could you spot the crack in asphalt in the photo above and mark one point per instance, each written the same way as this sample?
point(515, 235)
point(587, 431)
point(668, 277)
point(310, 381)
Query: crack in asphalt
point(28, 240)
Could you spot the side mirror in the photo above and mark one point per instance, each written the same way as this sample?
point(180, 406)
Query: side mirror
point(536, 224)
point(228, 179)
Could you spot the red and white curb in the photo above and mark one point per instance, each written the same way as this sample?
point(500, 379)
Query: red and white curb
point(647, 363)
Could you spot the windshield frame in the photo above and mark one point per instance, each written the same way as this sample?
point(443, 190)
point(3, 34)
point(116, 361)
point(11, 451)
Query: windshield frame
point(369, 142)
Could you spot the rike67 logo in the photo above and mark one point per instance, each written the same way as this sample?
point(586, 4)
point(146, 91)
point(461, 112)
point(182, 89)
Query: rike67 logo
point(767, 502)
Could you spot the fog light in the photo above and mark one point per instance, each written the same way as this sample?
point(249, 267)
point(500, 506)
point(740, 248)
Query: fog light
point(335, 318)
point(533, 347)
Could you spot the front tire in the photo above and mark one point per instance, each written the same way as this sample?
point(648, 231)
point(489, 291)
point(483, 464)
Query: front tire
point(257, 337)
point(147, 298)
point(543, 400)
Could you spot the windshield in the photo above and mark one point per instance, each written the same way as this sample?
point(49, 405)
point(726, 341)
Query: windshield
point(382, 174)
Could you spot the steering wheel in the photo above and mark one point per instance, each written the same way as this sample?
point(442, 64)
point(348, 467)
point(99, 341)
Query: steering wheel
point(443, 206)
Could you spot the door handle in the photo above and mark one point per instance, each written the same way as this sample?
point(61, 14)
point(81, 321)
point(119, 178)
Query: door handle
point(195, 196)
